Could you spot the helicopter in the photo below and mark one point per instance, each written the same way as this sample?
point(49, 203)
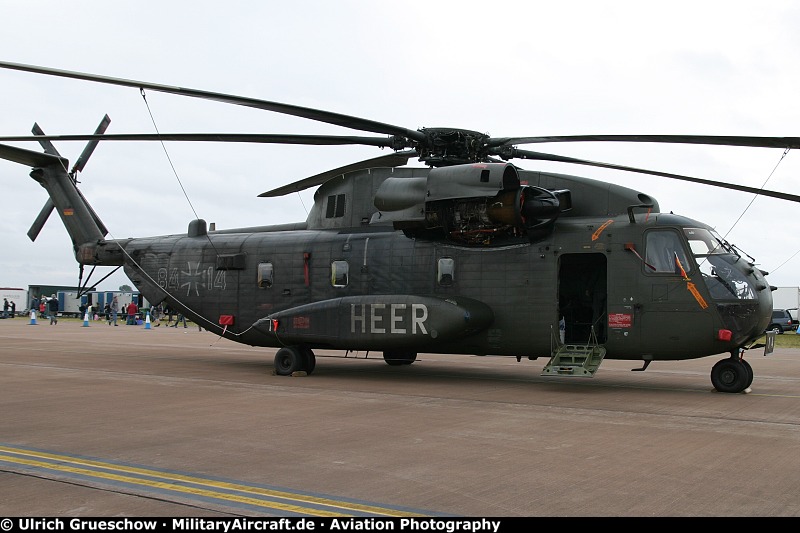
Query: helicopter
point(467, 254)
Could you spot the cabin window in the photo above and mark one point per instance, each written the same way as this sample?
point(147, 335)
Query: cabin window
point(265, 273)
point(339, 273)
point(446, 271)
point(664, 253)
point(335, 208)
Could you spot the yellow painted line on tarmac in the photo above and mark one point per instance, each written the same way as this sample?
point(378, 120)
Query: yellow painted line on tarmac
point(171, 482)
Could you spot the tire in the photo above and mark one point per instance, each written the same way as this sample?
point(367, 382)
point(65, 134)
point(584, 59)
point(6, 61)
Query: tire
point(310, 360)
point(398, 357)
point(289, 359)
point(730, 375)
point(749, 373)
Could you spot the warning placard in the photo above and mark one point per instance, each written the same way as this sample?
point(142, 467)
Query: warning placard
point(620, 320)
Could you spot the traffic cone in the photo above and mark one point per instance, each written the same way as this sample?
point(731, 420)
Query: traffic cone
point(147, 322)
point(86, 320)
point(33, 318)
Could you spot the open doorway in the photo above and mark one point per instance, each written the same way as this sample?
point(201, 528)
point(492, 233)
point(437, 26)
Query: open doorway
point(582, 296)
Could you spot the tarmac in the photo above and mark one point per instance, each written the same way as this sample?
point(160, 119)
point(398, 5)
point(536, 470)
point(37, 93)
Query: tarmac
point(105, 421)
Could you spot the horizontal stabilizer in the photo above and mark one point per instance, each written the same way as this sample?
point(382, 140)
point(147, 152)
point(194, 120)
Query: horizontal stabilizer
point(31, 158)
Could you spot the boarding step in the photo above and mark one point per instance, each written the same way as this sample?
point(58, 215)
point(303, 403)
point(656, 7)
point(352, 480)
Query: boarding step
point(575, 360)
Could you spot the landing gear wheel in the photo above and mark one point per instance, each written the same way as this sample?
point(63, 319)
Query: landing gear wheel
point(398, 357)
point(730, 375)
point(310, 359)
point(289, 359)
point(749, 373)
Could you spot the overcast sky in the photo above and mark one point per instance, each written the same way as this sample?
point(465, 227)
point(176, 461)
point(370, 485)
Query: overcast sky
point(505, 68)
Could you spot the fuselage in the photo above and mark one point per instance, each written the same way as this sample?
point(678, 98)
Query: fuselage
point(602, 276)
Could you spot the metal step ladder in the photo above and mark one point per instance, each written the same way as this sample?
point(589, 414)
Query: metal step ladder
point(580, 360)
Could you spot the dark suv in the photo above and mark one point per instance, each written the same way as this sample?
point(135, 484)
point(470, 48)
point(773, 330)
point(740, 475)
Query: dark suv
point(781, 321)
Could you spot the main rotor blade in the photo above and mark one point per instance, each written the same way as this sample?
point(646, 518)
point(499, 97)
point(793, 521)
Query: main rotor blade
point(265, 138)
point(391, 160)
point(525, 154)
point(721, 140)
point(286, 109)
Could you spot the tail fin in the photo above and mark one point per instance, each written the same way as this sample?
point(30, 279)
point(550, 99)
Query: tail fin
point(82, 223)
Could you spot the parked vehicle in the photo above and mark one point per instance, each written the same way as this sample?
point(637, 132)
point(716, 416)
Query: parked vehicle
point(18, 296)
point(781, 321)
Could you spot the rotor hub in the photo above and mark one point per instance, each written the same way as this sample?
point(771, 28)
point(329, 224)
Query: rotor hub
point(451, 146)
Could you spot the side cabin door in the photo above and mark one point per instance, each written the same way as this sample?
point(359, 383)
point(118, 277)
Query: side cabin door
point(582, 297)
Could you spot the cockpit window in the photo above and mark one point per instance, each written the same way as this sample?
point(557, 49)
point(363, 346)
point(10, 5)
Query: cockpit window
point(718, 266)
point(665, 254)
point(704, 242)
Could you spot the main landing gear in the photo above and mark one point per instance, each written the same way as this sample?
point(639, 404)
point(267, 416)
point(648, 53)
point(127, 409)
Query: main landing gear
point(399, 357)
point(300, 358)
point(290, 359)
point(733, 374)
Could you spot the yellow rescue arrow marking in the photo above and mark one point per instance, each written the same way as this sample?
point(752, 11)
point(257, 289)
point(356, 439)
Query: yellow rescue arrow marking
point(696, 294)
point(596, 234)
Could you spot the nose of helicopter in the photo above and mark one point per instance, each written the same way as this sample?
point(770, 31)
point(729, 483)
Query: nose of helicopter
point(748, 319)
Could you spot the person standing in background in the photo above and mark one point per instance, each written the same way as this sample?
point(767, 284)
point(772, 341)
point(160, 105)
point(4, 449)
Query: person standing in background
point(114, 310)
point(52, 308)
point(132, 309)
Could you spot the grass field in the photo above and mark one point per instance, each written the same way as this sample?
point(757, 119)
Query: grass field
point(787, 340)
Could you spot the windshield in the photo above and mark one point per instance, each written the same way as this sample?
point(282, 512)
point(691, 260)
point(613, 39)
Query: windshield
point(716, 260)
point(705, 242)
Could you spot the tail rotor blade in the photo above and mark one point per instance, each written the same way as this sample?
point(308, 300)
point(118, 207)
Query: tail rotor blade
point(41, 218)
point(90, 146)
point(44, 214)
point(46, 144)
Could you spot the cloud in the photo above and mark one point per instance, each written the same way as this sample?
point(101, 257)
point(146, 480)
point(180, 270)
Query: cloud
point(518, 68)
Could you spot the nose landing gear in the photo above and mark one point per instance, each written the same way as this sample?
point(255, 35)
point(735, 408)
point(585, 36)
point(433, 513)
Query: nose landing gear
point(733, 374)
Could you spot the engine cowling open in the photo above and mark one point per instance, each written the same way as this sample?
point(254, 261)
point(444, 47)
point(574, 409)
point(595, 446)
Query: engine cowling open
point(476, 204)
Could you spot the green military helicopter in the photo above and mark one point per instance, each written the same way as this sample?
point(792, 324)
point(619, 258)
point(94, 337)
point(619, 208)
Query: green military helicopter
point(468, 254)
